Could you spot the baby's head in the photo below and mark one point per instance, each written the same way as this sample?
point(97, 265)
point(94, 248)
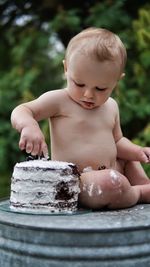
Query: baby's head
point(99, 44)
point(94, 63)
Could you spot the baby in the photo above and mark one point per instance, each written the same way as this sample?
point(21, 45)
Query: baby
point(85, 125)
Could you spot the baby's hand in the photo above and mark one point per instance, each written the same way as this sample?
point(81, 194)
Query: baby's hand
point(33, 141)
point(144, 155)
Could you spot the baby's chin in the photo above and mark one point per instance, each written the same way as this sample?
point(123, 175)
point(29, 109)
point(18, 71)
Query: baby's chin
point(84, 104)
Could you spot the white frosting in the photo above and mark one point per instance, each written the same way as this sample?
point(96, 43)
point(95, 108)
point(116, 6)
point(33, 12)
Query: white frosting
point(113, 175)
point(116, 180)
point(42, 163)
point(32, 188)
point(92, 189)
point(39, 175)
point(87, 169)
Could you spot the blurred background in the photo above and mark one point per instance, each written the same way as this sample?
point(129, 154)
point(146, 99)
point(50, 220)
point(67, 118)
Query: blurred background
point(33, 37)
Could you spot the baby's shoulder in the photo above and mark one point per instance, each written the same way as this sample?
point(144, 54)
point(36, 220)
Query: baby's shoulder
point(112, 103)
point(53, 96)
point(58, 93)
point(112, 106)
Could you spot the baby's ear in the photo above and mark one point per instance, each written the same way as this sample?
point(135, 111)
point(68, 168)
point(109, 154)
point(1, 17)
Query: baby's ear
point(65, 66)
point(122, 75)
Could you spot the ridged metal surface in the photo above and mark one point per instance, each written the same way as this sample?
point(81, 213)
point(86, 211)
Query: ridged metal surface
point(92, 239)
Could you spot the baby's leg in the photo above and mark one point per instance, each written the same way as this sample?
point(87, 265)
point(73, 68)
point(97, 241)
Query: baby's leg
point(135, 173)
point(107, 188)
point(137, 177)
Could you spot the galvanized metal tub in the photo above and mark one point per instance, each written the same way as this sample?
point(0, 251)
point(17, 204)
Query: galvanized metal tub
point(88, 239)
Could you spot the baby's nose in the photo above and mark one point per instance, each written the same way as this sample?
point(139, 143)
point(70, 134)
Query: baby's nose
point(88, 93)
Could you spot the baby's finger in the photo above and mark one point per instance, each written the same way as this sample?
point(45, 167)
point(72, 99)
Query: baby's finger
point(147, 153)
point(22, 144)
point(29, 147)
point(146, 158)
point(44, 150)
point(36, 149)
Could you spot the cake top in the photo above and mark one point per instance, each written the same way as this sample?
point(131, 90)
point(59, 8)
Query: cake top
point(43, 163)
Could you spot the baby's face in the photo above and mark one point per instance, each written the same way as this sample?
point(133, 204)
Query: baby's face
point(90, 82)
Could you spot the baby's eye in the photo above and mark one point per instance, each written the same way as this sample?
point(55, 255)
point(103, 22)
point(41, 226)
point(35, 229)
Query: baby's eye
point(79, 84)
point(100, 89)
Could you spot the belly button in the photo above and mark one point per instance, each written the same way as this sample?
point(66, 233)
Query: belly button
point(103, 167)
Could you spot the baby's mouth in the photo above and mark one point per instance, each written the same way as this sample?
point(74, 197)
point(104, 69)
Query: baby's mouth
point(88, 104)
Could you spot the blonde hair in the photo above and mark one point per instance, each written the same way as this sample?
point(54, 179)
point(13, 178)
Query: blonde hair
point(99, 43)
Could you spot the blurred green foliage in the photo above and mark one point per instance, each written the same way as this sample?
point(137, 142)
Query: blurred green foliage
point(31, 56)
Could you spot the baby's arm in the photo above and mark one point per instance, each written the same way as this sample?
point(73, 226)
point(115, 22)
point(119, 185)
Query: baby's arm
point(25, 119)
point(125, 148)
point(31, 137)
point(129, 151)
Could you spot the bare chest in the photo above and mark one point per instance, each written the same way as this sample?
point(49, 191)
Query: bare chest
point(85, 138)
point(85, 123)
